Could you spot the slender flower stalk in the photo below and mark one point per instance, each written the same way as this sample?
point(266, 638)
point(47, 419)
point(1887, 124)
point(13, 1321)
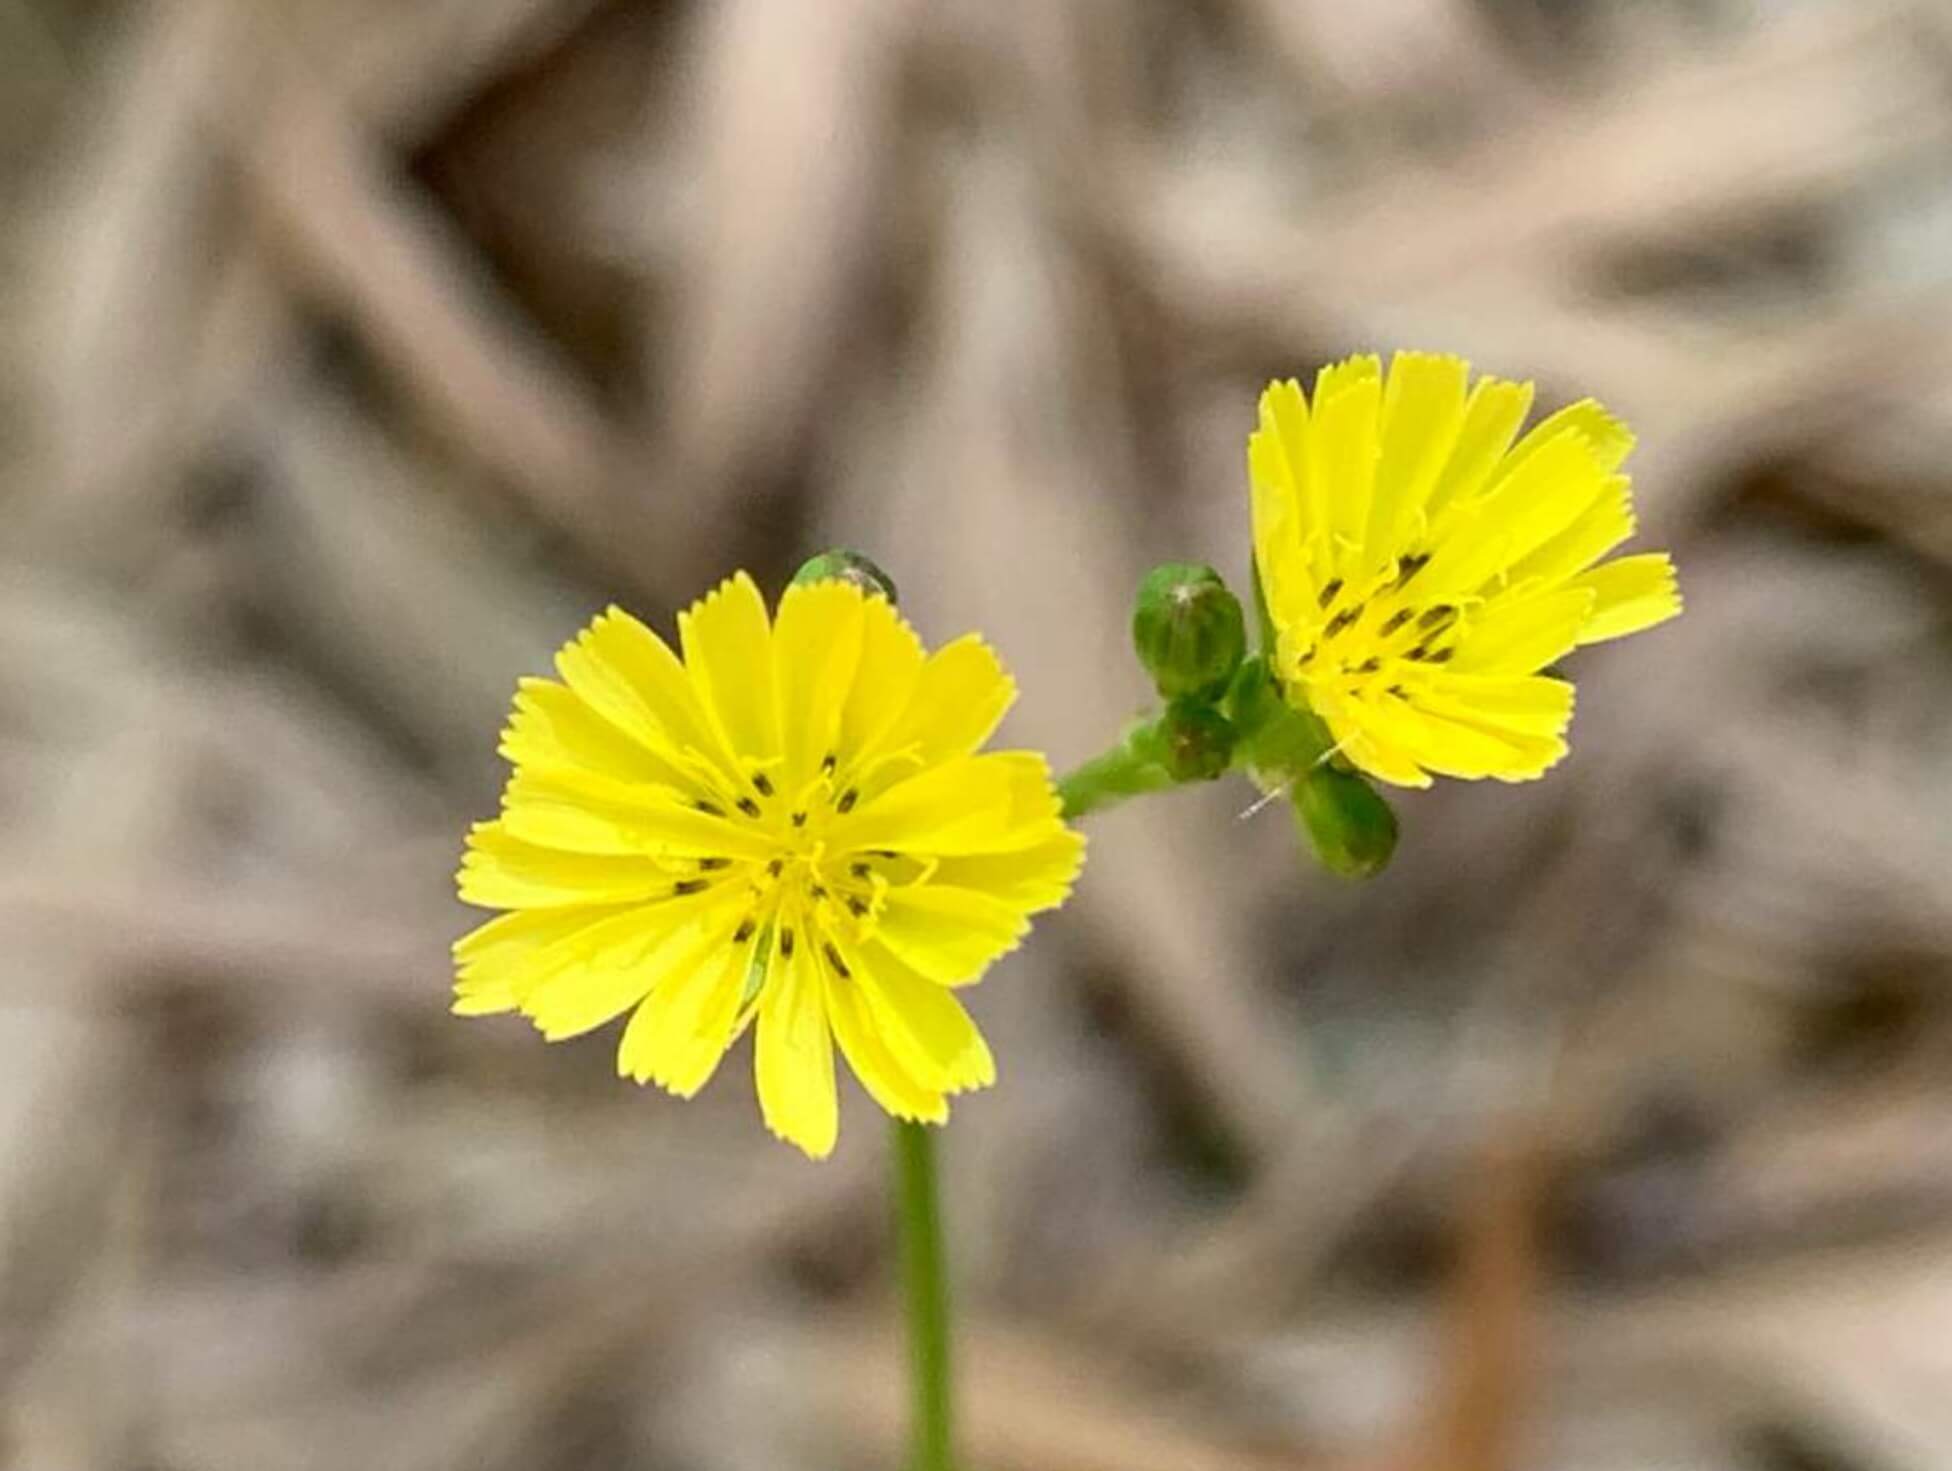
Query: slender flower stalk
point(1129, 769)
point(925, 1292)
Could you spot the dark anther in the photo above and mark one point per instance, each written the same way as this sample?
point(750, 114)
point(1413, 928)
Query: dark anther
point(1398, 691)
point(828, 763)
point(1341, 621)
point(710, 808)
point(762, 784)
point(799, 819)
point(748, 806)
point(1443, 656)
point(744, 931)
point(1396, 620)
point(776, 867)
point(856, 905)
point(1369, 666)
point(689, 886)
point(847, 800)
point(1410, 566)
point(858, 869)
point(1441, 613)
point(1330, 589)
point(883, 853)
point(786, 943)
point(1420, 652)
point(833, 959)
point(819, 891)
point(712, 865)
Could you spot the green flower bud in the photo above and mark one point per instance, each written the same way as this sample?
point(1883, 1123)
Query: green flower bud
point(1188, 629)
point(841, 565)
point(1196, 742)
point(1349, 823)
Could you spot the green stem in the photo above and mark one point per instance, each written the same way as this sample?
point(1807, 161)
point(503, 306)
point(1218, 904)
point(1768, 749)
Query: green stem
point(926, 1285)
point(1128, 769)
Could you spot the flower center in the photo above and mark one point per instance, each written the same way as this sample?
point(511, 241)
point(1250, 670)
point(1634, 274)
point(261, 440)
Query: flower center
point(808, 891)
point(1377, 636)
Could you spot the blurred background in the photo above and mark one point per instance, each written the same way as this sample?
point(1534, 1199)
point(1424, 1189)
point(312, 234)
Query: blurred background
point(353, 352)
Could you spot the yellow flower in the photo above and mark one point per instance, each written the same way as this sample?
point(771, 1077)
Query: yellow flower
point(1420, 568)
point(792, 825)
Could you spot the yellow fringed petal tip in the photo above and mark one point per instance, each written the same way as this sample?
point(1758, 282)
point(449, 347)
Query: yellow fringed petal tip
point(1421, 568)
point(792, 825)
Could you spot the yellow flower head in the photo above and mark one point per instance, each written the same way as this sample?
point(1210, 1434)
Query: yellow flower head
point(791, 825)
point(1420, 568)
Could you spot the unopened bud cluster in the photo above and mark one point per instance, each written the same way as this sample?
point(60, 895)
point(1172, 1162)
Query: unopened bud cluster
point(1225, 710)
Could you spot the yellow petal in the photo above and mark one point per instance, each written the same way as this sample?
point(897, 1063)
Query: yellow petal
point(1287, 433)
point(1523, 634)
point(1355, 371)
point(1371, 747)
point(602, 973)
point(1347, 409)
point(683, 1030)
point(948, 934)
point(920, 1022)
point(1423, 410)
point(501, 872)
point(511, 938)
point(795, 1055)
point(647, 662)
point(1523, 705)
point(886, 1080)
point(1359, 740)
point(728, 645)
point(1611, 440)
point(1597, 530)
point(481, 998)
point(960, 695)
point(1034, 803)
point(1525, 716)
point(1492, 415)
point(622, 670)
point(554, 727)
point(582, 812)
point(1452, 747)
point(973, 804)
point(816, 650)
point(1630, 593)
point(1285, 565)
point(498, 961)
point(891, 661)
point(1522, 512)
point(1031, 878)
